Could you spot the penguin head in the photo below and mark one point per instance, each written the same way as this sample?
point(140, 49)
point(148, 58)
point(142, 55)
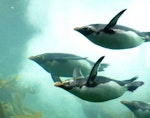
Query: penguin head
point(130, 105)
point(67, 84)
point(71, 83)
point(85, 30)
point(38, 59)
point(43, 59)
point(90, 29)
point(136, 105)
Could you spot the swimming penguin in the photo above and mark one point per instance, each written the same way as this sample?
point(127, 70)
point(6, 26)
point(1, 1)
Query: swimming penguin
point(114, 36)
point(97, 88)
point(140, 109)
point(63, 64)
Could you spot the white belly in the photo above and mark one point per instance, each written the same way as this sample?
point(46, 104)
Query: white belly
point(119, 40)
point(100, 93)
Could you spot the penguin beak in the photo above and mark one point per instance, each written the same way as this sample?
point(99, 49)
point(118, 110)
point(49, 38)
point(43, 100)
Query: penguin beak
point(125, 103)
point(77, 28)
point(36, 57)
point(58, 84)
point(32, 58)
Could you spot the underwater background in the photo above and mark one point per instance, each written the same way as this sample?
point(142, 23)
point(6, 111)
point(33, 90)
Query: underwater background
point(31, 27)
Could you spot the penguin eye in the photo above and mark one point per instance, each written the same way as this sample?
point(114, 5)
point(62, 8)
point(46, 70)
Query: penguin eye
point(85, 28)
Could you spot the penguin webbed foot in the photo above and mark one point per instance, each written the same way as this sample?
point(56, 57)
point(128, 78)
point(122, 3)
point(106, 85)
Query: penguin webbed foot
point(134, 85)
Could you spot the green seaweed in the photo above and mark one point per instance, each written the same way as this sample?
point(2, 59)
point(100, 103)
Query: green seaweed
point(36, 115)
point(2, 111)
point(12, 100)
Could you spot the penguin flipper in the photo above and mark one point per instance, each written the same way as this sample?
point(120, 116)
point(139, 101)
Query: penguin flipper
point(113, 22)
point(103, 66)
point(77, 73)
point(94, 71)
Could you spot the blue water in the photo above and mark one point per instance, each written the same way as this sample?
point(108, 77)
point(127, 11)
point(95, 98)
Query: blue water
point(31, 27)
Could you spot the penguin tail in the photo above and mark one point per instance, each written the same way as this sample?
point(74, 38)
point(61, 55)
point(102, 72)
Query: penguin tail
point(134, 85)
point(130, 80)
point(103, 66)
point(147, 38)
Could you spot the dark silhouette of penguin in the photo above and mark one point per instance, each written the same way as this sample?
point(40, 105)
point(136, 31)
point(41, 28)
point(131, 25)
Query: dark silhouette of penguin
point(114, 36)
point(63, 64)
point(97, 88)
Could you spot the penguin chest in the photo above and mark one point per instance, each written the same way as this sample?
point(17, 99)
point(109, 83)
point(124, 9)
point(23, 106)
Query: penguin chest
point(118, 40)
point(142, 113)
point(99, 93)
